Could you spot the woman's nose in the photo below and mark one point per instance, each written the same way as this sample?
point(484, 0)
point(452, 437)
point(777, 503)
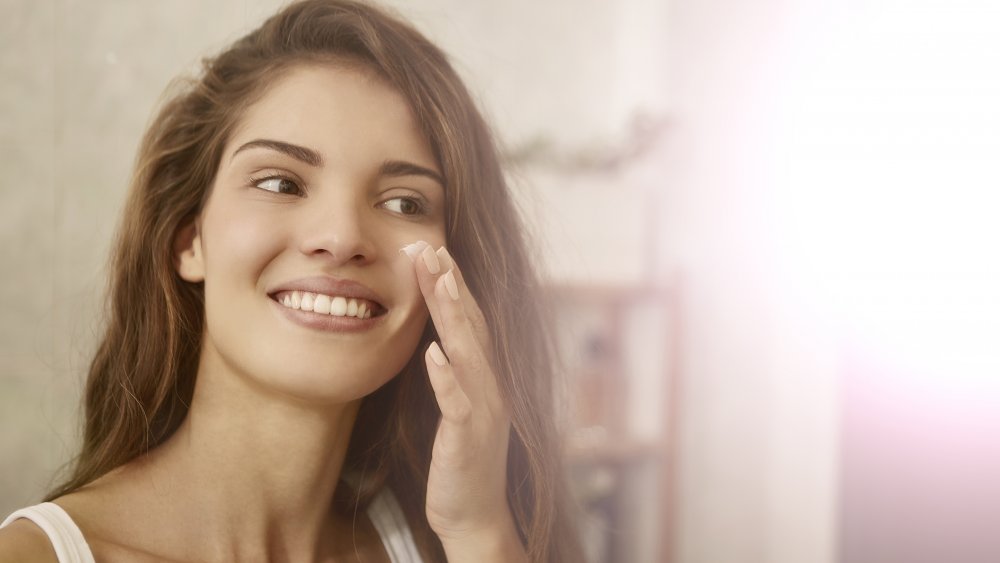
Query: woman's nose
point(338, 233)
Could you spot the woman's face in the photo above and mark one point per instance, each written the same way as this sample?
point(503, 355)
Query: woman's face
point(322, 183)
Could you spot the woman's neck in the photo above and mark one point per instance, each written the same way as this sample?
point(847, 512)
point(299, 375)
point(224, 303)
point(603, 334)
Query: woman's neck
point(258, 470)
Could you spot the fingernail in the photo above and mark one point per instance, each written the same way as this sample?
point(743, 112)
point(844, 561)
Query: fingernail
point(450, 285)
point(431, 260)
point(412, 250)
point(437, 355)
point(445, 258)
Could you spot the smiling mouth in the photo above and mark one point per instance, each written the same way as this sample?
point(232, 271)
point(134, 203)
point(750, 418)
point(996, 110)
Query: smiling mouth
point(332, 305)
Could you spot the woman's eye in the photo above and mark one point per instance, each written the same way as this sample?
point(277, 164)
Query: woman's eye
point(403, 206)
point(279, 186)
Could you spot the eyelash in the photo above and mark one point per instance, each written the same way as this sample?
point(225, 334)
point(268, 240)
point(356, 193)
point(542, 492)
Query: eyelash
point(423, 208)
point(256, 181)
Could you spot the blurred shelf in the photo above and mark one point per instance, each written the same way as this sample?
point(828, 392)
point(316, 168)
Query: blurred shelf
point(617, 343)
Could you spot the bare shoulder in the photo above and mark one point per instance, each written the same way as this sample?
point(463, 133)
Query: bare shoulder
point(23, 541)
point(105, 513)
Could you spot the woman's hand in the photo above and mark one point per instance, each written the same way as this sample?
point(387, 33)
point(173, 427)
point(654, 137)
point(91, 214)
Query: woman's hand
point(466, 490)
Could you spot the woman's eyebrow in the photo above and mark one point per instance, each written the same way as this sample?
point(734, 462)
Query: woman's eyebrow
point(303, 154)
point(313, 158)
point(404, 168)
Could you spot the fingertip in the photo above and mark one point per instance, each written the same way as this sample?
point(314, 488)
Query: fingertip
point(413, 250)
point(450, 285)
point(441, 287)
point(436, 355)
point(430, 259)
point(447, 263)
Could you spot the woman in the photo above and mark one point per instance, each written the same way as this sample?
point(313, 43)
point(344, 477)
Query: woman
point(323, 341)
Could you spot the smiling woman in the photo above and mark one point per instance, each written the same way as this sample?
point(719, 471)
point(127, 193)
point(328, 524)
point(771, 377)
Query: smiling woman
point(323, 342)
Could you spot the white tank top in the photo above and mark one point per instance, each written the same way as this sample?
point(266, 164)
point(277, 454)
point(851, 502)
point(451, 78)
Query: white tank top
point(71, 547)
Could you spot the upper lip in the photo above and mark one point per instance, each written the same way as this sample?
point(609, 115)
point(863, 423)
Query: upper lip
point(329, 286)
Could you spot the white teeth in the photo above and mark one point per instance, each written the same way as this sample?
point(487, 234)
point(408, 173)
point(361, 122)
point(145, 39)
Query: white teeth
point(337, 306)
point(322, 304)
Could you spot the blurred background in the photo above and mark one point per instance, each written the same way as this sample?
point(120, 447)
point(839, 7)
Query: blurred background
point(769, 229)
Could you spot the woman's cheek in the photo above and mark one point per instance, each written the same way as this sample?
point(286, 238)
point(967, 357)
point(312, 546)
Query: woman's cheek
point(244, 238)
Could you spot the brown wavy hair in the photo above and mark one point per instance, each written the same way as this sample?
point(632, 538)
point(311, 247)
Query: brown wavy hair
point(142, 377)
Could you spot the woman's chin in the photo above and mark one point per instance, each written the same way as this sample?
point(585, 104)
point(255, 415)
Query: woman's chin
point(327, 388)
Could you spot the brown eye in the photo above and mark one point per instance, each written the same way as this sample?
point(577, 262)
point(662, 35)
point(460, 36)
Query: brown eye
point(403, 206)
point(279, 186)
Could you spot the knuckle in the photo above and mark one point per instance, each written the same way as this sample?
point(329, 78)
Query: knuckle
point(472, 360)
point(463, 352)
point(445, 385)
point(479, 327)
point(460, 412)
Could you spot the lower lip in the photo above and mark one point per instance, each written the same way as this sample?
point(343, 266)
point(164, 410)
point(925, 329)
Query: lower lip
point(327, 323)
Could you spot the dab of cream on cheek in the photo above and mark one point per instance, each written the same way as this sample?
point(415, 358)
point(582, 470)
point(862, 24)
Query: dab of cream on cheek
point(413, 250)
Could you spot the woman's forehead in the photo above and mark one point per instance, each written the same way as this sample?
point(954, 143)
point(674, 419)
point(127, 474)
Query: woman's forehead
point(335, 110)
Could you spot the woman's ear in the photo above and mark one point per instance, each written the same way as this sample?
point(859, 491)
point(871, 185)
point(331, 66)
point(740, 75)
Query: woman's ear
point(188, 257)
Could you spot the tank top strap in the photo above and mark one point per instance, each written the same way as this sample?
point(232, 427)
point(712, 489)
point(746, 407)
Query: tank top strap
point(387, 517)
point(66, 538)
point(71, 547)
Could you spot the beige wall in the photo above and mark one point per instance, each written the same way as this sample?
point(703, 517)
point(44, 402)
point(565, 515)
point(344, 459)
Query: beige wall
point(81, 79)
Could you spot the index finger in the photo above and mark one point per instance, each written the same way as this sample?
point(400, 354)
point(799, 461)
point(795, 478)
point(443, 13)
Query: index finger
point(469, 304)
point(431, 265)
